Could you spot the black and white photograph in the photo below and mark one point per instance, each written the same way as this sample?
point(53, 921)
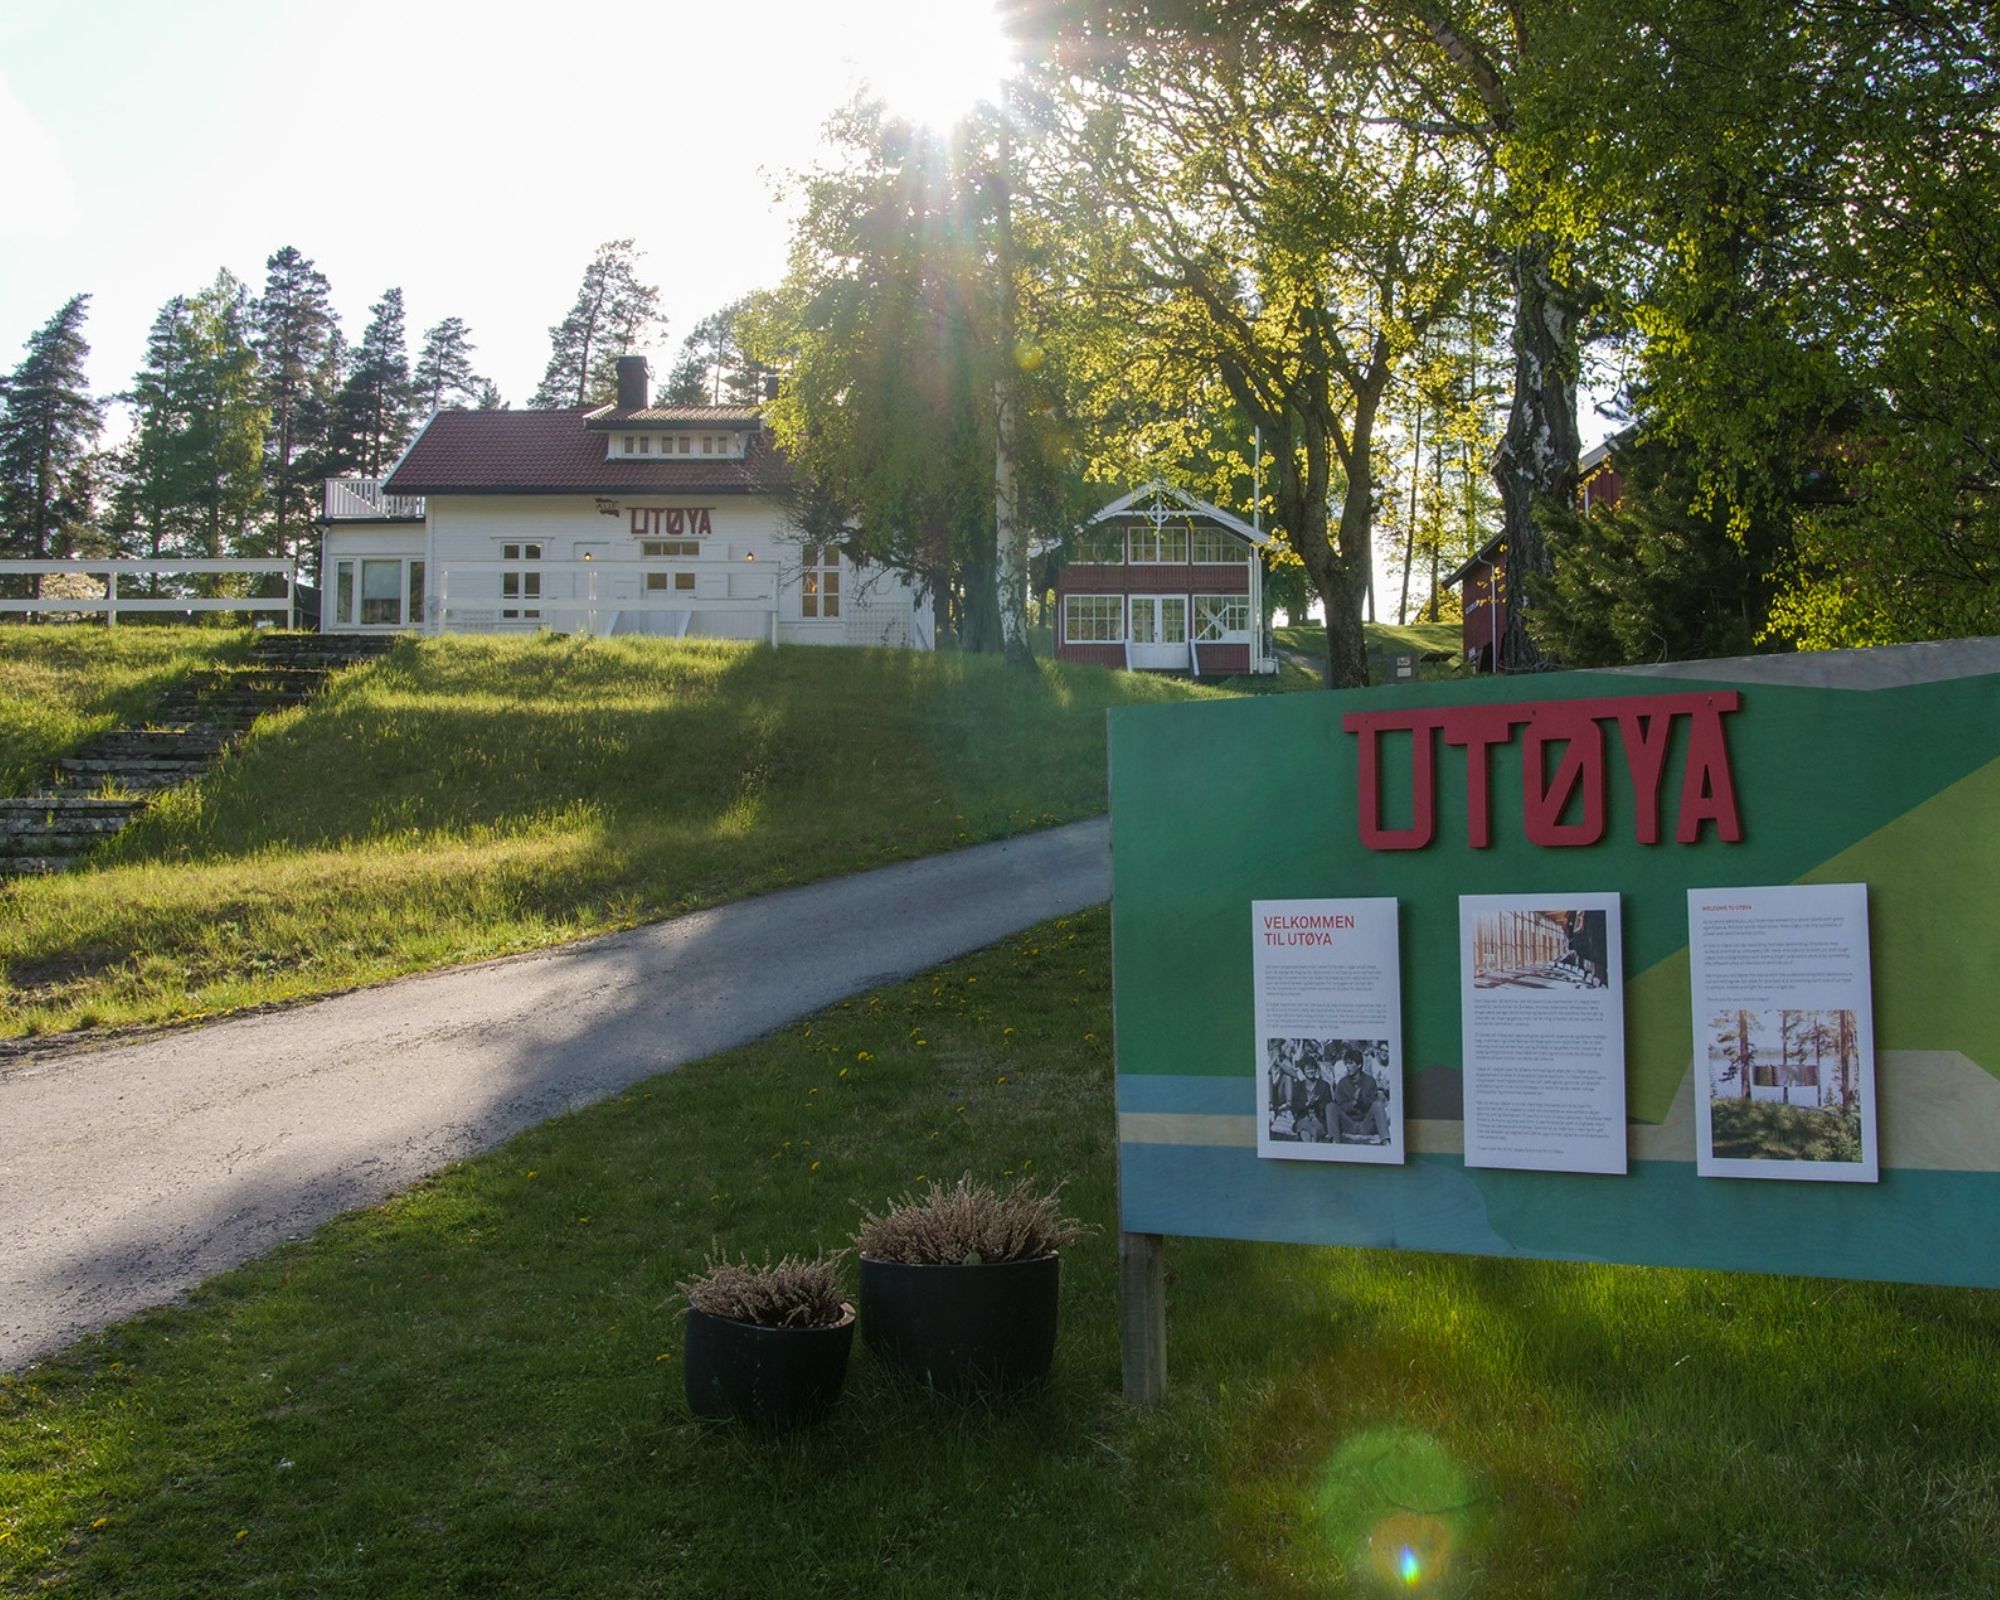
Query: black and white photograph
point(1329, 1091)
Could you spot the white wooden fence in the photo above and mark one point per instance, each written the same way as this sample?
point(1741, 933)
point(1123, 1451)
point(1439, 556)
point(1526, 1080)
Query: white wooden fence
point(600, 592)
point(111, 603)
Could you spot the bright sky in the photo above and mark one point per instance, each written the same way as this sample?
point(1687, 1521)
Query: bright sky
point(475, 155)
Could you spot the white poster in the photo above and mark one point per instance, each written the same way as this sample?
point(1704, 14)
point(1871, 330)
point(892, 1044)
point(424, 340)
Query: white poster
point(1784, 1033)
point(1329, 1030)
point(1542, 1005)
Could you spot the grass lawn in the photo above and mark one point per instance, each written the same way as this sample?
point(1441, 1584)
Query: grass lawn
point(475, 1389)
point(1768, 1130)
point(60, 685)
point(467, 797)
point(1383, 638)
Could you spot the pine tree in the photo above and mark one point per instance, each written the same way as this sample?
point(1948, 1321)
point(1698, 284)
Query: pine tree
point(48, 428)
point(372, 418)
point(713, 369)
point(444, 376)
point(614, 313)
point(487, 397)
point(295, 330)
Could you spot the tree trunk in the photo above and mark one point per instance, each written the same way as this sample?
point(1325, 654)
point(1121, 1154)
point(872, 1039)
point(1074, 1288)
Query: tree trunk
point(1537, 457)
point(1010, 541)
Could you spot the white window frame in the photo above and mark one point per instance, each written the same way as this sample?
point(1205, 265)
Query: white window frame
point(1109, 532)
point(1114, 616)
point(819, 583)
point(1238, 551)
point(522, 584)
point(1213, 630)
point(1150, 536)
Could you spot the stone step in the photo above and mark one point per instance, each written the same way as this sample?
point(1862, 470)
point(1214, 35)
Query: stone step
point(42, 845)
point(28, 825)
point(34, 866)
point(71, 804)
point(145, 742)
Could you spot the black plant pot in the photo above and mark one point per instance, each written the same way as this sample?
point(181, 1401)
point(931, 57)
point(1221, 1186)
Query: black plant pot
point(776, 1376)
point(975, 1329)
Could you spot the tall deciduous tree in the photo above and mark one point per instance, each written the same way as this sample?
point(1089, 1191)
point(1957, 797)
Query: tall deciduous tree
point(374, 414)
point(614, 313)
point(885, 333)
point(48, 429)
point(294, 330)
point(196, 480)
point(1265, 216)
point(1815, 268)
point(443, 377)
point(1465, 71)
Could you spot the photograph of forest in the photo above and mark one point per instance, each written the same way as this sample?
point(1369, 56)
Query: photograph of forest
point(1785, 1085)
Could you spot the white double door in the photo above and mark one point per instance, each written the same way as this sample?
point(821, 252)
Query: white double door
point(1159, 630)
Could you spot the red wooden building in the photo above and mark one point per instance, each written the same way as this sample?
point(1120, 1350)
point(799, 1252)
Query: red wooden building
point(1482, 581)
point(1159, 581)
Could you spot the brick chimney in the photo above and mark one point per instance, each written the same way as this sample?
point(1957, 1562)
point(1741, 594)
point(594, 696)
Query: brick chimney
point(635, 380)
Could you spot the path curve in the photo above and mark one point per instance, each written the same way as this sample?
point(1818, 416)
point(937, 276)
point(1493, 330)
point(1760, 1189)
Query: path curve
point(130, 1174)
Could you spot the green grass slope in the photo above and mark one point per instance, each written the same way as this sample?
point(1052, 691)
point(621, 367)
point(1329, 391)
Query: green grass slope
point(468, 797)
point(60, 685)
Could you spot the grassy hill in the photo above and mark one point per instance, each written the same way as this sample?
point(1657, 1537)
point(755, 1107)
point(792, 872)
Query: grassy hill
point(469, 797)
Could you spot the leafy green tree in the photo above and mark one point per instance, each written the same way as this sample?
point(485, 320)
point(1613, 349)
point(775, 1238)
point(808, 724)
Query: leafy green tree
point(195, 481)
point(1816, 274)
point(443, 377)
point(1263, 221)
point(374, 414)
point(614, 313)
point(293, 331)
point(48, 430)
point(885, 332)
point(1666, 574)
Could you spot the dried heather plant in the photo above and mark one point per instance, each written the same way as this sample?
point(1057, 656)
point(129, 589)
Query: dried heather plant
point(792, 1293)
point(969, 1223)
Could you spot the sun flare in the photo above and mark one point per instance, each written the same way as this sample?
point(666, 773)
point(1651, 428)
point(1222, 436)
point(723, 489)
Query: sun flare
point(931, 61)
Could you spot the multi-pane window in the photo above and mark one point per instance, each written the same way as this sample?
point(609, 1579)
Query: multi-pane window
point(678, 582)
point(1094, 618)
point(1219, 616)
point(521, 584)
point(1102, 545)
point(1159, 542)
point(381, 593)
point(819, 583)
point(1213, 545)
point(670, 547)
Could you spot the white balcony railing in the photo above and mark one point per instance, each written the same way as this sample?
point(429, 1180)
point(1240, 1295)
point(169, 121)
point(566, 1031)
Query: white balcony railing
point(362, 500)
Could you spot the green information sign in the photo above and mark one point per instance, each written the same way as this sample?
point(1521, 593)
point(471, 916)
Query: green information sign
point(1878, 769)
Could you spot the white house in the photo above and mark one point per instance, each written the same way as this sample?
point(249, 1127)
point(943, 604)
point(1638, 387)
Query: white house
point(631, 518)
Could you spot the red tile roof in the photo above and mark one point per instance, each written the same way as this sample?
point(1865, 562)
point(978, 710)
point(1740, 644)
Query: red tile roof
point(553, 452)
